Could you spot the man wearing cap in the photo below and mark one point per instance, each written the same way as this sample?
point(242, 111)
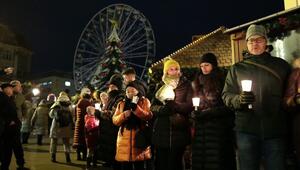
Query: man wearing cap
point(260, 121)
point(19, 98)
point(108, 131)
point(11, 135)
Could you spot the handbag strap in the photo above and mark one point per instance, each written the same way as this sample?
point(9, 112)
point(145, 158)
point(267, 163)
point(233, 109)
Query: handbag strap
point(265, 68)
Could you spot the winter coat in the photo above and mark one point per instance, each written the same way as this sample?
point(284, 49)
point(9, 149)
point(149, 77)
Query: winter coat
point(8, 113)
point(79, 136)
point(293, 88)
point(213, 143)
point(108, 132)
point(91, 128)
point(26, 124)
point(20, 104)
point(176, 134)
point(126, 141)
point(267, 119)
point(39, 119)
point(56, 131)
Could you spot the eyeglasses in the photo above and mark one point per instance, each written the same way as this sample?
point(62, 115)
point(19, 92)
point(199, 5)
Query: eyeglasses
point(256, 40)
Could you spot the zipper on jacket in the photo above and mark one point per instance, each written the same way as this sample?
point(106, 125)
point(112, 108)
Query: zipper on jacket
point(170, 135)
point(130, 147)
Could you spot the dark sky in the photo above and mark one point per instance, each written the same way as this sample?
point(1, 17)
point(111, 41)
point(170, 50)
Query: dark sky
point(53, 27)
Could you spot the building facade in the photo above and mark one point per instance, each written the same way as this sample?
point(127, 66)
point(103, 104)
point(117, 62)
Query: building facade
point(14, 53)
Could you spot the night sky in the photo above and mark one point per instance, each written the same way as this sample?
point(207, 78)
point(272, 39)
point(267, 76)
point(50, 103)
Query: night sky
point(51, 28)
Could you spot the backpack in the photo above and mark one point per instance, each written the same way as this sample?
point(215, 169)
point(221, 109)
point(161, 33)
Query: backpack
point(64, 117)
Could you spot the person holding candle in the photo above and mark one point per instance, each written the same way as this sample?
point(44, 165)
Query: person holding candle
point(261, 129)
point(213, 143)
point(292, 102)
point(171, 108)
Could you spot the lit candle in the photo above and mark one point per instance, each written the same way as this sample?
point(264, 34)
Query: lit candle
point(97, 106)
point(196, 102)
point(246, 86)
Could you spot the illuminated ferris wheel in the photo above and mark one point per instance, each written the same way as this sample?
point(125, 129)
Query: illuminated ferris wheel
point(137, 42)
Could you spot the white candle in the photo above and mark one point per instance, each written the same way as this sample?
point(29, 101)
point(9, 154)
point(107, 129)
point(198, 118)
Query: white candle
point(196, 102)
point(247, 86)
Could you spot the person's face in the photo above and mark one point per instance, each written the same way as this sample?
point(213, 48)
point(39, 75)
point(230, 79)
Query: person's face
point(256, 44)
point(206, 68)
point(18, 88)
point(8, 91)
point(112, 87)
point(130, 92)
point(128, 78)
point(104, 99)
point(173, 71)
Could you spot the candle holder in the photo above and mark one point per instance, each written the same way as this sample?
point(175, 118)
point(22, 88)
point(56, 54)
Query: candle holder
point(246, 87)
point(196, 102)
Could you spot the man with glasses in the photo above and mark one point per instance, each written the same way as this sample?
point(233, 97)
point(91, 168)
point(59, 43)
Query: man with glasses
point(261, 128)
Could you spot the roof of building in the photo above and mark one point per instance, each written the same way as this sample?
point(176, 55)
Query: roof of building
point(190, 45)
point(257, 21)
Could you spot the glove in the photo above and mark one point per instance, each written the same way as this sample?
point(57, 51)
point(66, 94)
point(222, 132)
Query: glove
point(247, 98)
point(133, 106)
point(195, 114)
point(297, 99)
point(171, 104)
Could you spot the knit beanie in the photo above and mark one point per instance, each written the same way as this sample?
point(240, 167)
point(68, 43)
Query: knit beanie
point(256, 30)
point(168, 63)
point(137, 85)
point(116, 80)
point(209, 58)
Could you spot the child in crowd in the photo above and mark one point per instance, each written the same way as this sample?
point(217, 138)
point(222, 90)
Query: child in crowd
point(91, 135)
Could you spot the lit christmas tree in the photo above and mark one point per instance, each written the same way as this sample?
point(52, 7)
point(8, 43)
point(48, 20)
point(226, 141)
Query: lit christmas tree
point(112, 61)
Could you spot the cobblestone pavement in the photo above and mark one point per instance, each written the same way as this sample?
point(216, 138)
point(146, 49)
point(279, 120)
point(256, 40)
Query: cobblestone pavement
point(38, 158)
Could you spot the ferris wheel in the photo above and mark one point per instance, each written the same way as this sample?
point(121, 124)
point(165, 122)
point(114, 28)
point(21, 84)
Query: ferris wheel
point(137, 42)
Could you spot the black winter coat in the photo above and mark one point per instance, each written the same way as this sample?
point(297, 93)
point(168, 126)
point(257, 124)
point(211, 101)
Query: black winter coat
point(213, 144)
point(108, 132)
point(165, 134)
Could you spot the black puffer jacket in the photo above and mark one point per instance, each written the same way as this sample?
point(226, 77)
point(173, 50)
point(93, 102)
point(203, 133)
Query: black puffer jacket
point(164, 134)
point(213, 144)
point(108, 132)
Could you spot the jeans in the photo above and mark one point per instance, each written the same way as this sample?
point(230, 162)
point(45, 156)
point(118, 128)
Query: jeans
point(252, 148)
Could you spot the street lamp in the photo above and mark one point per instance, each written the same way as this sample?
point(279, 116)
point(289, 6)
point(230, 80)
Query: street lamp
point(246, 87)
point(35, 91)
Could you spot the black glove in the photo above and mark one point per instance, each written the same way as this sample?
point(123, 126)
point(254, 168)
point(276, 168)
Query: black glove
point(247, 97)
point(133, 106)
point(195, 113)
point(171, 104)
point(297, 99)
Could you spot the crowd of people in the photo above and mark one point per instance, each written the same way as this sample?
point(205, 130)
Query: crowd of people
point(127, 130)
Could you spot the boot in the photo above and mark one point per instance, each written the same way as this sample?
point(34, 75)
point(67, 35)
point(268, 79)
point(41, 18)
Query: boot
point(78, 155)
point(39, 139)
point(68, 159)
point(94, 161)
point(84, 154)
point(53, 157)
point(88, 162)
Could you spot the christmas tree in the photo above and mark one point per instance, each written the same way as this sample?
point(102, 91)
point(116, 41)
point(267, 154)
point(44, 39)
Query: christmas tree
point(111, 63)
